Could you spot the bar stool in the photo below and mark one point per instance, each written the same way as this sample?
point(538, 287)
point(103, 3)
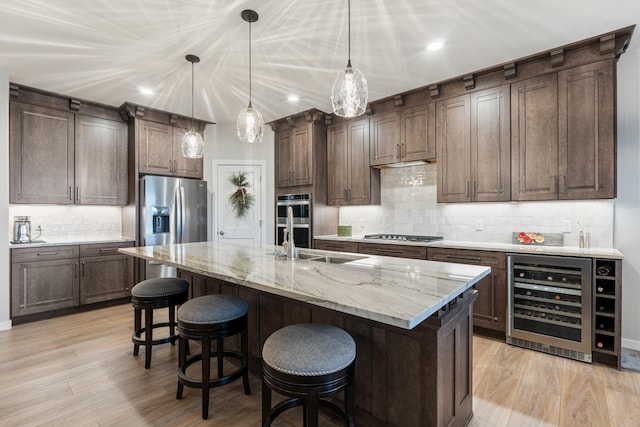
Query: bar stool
point(149, 295)
point(309, 363)
point(206, 318)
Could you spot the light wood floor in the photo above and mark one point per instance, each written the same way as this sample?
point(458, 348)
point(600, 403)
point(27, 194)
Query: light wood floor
point(78, 370)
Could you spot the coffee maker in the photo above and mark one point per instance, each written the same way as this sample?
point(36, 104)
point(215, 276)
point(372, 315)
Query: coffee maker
point(21, 229)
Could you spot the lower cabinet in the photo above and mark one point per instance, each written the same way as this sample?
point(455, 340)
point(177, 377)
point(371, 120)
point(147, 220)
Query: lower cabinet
point(401, 251)
point(104, 274)
point(333, 245)
point(55, 277)
point(490, 309)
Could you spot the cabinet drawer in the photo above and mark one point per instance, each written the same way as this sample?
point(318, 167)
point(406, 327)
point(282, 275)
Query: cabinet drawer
point(333, 245)
point(465, 256)
point(100, 249)
point(44, 253)
point(402, 251)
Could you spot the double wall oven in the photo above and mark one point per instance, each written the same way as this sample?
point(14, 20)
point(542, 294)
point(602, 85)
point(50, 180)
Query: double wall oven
point(301, 205)
point(549, 304)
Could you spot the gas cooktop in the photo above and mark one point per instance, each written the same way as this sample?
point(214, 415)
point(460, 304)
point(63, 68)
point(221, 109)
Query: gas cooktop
point(403, 237)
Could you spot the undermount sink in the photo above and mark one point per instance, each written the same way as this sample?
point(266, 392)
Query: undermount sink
point(331, 259)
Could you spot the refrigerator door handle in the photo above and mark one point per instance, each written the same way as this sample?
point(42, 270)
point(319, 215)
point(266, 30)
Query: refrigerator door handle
point(182, 213)
point(177, 213)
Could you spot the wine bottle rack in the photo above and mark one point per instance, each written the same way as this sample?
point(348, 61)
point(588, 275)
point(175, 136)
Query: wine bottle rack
point(607, 281)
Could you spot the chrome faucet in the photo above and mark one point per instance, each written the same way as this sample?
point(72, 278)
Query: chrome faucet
point(288, 245)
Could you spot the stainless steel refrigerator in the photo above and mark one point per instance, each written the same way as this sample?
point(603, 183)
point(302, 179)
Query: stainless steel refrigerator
point(172, 210)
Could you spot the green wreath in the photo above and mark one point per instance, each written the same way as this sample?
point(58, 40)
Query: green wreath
point(241, 201)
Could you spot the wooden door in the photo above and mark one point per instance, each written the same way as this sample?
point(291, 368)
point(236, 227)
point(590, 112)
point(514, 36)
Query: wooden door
point(182, 166)
point(337, 164)
point(39, 286)
point(384, 130)
point(491, 145)
point(453, 145)
point(301, 160)
point(284, 148)
point(103, 278)
point(41, 151)
point(489, 310)
point(155, 148)
point(101, 161)
point(418, 132)
point(586, 128)
point(534, 138)
point(359, 189)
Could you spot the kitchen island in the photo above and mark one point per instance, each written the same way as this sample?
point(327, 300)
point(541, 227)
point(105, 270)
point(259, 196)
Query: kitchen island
point(411, 319)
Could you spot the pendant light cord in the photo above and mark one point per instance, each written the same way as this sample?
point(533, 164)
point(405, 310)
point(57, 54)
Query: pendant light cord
point(249, 63)
point(192, 125)
point(349, 26)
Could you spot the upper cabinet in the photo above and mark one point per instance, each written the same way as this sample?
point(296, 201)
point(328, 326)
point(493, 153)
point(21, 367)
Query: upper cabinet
point(64, 151)
point(351, 180)
point(159, 148)
point(563, 137)
point(473, 140)
point(403, 136)
point(294, 156)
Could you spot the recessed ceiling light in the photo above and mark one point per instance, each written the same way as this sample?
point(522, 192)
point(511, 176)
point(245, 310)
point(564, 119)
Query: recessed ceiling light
point(293, 98)
point(145, 91)
point(435, 45)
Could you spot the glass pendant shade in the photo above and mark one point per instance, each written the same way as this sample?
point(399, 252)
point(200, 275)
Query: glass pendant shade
point(349, 93)
point(250, 125)
point(192, 145)
point(192, 142)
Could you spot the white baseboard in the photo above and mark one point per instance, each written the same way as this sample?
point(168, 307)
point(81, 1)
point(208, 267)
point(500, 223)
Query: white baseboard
point(5, 325)
point(631, 344)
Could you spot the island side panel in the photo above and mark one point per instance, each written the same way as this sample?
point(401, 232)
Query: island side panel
point(419, 377)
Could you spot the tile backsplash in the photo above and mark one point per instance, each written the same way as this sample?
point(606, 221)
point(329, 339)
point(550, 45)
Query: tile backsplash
point(409, 206)
point(70, 223)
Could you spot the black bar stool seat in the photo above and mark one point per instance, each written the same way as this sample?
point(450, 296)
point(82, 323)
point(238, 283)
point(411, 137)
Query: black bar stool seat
point(206, 318)
point(309, 363)
point(151, 294)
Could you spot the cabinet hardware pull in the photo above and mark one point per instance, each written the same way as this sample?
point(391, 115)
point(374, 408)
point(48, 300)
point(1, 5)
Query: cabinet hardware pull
point(70, 195)
point(475, 189)
point(563, 189)
point(75, 269)
point(468, 189)
point(390, 251)
point(175, 165)
point(398, 151)
point(170, 166)
point(82, 268)
point(47, 254)
point(77, 192)
point(555, 184)
point(107, 249)
point(464, 258)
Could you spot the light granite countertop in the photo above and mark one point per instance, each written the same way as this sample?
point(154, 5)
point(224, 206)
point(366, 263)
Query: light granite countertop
point(75, 241)
point(394, 291)
point(490, 246)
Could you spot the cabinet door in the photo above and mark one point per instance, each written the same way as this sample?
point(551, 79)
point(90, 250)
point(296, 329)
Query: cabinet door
point(491, 145)
point(40, 286)
point(182, 166)
point(155, 148)
point(534, 138)
point(384, 130)
point(418, 133)
point(284, 148)
point(586, 127)
point(104, 278)
point(453, 145)
point(41, 154)
point(393, 250)
point(301, 159)
point(334, 245)
point(359, 189)
point(101, 161)
point(337, 164)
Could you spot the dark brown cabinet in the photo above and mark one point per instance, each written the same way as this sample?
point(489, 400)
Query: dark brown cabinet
point(43, 279)
point(384, 133)
point(393, 250)
point(333, 245)
point(490, 309)
point(473, 143)
point(607, 312)
point(294, 157)
point(104, 273)
point(563, 134)
point(100, 161)
point(351, 181)
point(160, 151)
point(49, 278)
point(65, 157)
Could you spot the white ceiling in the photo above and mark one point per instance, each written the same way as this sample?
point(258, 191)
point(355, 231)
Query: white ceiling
point(103, 50)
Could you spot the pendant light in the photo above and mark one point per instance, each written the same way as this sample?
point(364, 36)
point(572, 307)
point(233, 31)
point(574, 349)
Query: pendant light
point(192, 143)
point(349, 93)
point(250, 124)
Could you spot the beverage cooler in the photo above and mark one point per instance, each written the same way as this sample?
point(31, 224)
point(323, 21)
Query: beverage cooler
point(549, 304)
